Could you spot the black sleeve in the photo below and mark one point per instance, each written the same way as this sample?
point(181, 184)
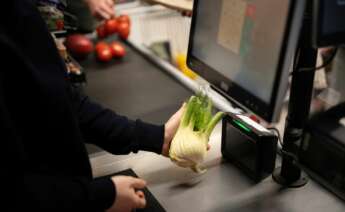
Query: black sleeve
point(25, 190)
point(114, 133)
point(22, 190)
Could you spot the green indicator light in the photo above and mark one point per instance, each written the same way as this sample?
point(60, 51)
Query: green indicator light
point(242, 126)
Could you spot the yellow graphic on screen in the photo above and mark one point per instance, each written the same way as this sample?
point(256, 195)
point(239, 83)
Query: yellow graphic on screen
point(232, 19)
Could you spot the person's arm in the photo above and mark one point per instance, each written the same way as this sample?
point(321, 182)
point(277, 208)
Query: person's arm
point(119, 135)
point(102, 9)
point(38, 192)
point(115, 133)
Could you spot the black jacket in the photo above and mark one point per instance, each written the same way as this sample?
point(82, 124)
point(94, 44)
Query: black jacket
point(44, 124)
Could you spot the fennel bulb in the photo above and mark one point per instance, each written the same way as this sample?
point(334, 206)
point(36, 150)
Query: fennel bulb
point(189, 145)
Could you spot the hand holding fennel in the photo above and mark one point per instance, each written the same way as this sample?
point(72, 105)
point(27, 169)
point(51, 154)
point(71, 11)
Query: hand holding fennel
point(190, 143)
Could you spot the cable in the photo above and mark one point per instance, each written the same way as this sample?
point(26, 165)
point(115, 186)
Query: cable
point(325, 64)
point(281, 151)
point(278, 134)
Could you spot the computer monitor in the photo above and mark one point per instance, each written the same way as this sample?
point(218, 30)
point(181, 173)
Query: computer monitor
point(329, 23)
point(245, 49)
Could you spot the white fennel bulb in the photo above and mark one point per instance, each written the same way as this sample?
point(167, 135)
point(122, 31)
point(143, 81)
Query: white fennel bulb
point(189, 145)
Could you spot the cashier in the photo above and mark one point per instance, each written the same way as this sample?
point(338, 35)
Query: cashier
point(44, 125)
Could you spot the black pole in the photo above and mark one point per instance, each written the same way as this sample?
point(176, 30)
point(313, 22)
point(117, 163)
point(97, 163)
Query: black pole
point(300, 99)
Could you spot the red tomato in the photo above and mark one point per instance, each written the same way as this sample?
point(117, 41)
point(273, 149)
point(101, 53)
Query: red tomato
point(101, 45)
point(60, 24)
point(123, 30)
point(111, 26)
point(79, 45)
point(101, 32)
point(104, 54)
point(117, 49)
point(124, 19)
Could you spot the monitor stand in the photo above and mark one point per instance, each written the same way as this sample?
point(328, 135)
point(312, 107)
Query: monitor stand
point(290, 173)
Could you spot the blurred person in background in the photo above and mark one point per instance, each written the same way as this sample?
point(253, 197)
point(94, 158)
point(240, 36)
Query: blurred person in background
point(81, 14)
point(89, 12)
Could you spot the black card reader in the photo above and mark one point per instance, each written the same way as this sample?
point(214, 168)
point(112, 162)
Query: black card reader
point(249, 146)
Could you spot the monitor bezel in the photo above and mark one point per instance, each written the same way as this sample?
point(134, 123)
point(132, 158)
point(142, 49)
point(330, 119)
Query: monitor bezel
point(321, 39)
point(270, 112)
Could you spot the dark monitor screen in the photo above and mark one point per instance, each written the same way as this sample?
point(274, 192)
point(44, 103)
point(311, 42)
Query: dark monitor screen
point(329, 22)
point(244, 48)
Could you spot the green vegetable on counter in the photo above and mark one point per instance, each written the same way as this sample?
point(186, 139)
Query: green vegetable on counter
point(189, 146)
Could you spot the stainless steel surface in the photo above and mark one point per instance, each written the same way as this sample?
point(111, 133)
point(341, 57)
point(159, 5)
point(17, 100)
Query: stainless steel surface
point(221, 188)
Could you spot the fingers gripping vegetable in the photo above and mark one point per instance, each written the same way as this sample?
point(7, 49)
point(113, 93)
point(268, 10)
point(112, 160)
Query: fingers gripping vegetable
point(189, 146)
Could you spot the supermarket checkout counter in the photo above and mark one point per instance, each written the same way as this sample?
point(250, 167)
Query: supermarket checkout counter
point(139, 89)
point(134, 87)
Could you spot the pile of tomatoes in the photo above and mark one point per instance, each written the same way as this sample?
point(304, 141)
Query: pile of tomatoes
point(80, 46)
point(117, 25)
